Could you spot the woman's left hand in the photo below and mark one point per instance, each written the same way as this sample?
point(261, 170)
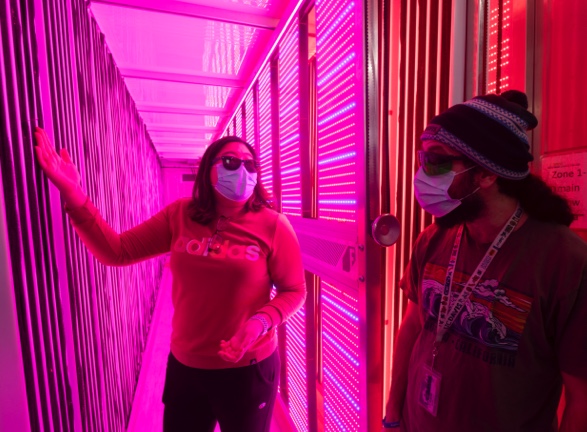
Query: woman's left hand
point(234, 349)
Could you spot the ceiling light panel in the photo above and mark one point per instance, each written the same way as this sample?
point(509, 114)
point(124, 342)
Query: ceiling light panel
point(272, 8)
point(180, 119)
point(187, 136)
point(169, 93)
point(148, 40)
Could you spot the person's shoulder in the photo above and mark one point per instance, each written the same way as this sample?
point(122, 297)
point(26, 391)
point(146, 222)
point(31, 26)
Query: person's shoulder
point(557, 238)
point(272, 222)
point(433, 231)
point(179, 203)
point(178, 207)
point(266, 215)
point(183, 202)
point(549, 230)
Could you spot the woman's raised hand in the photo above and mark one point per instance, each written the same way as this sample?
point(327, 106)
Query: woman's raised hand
point(59, 169)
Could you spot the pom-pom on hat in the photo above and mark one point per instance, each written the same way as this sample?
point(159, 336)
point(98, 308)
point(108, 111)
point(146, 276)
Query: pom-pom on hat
point(490, 130)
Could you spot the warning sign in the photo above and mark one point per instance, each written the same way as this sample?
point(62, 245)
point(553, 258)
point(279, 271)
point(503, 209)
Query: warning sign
point(567, 175)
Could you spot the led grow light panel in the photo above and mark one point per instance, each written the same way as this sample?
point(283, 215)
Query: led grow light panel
point(340, 340)
point(149, 40)
point(289, 122)
point(265, 128)
point(297, 387)
point(340, 124)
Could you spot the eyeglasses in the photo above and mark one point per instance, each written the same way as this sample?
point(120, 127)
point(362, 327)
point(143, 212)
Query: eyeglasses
point(215, 242)
point(434, 164)
point(233, 163)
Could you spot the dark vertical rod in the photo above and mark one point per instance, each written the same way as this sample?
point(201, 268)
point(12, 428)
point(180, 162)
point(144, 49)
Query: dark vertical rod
point(308, 206)
point(275, 152)
point(304, 98)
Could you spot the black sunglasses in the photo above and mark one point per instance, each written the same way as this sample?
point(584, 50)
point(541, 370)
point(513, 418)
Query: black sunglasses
point(434, 164)
point(232, 163)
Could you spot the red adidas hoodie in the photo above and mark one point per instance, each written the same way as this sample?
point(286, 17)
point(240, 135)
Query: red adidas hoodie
point(213, 293)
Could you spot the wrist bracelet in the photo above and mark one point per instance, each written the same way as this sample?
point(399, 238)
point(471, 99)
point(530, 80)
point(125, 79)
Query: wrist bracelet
point(390, 424)
point(263, 321)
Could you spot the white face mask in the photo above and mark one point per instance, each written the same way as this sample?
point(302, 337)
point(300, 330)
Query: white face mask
point(432, 192)
point(237, 185)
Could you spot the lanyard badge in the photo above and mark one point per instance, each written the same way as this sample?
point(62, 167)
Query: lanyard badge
point(447, 313)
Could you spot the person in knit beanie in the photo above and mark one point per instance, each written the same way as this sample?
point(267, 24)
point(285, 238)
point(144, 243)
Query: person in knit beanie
point(497, 286)
point(490, 130)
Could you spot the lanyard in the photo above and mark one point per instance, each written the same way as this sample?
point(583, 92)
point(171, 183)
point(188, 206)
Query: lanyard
point(446, 313)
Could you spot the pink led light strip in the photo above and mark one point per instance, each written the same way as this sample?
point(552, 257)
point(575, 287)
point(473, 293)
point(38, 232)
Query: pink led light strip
point(498, 56)
point(239, 122)
point(250, 119)
point(296, 370)
point(265, 128)
point(339, 107)
point(229, 131)
point(290, 12)
point(289, 121)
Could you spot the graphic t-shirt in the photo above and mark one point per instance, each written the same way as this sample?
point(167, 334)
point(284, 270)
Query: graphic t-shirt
point(213, 292)
point(525, 322)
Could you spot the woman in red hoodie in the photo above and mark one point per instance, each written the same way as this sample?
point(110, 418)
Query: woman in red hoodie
point(228, 249)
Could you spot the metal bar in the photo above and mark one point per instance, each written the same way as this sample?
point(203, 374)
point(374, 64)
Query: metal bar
point(159, 141)
point(270, 50)
point(193, 153)
point(54, 212)
point(307, 189)
point(256, 118)
point(274, 77)
point(312, 331)
point(458, 35)
point(372, 256)
point(168, 127)
point(304, 119)
point(14, 409)
point(474, 48)
point(17, 214)
point(191, 78)
point(96, 410)
point(389, 73)
point(181, 109)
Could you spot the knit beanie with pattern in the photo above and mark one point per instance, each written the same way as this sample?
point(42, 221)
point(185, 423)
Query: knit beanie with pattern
point(490, 130)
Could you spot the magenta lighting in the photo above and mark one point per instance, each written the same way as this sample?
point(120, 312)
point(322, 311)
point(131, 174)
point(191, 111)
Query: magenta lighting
point(340, 138)
point(296, 370)
point(289, 120)
point(265, 128)
point(250, 115)
point(339, 118)
point(239, 123)
point(499, 42)
point(340, 338)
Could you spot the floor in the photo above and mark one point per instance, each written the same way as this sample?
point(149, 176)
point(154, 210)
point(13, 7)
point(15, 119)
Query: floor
point(147, 411)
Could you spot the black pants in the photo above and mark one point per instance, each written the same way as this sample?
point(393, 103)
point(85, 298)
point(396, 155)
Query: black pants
point(240, 399)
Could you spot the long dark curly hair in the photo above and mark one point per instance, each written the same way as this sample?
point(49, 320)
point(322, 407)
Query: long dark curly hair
point(538, 199)
point(202, 208)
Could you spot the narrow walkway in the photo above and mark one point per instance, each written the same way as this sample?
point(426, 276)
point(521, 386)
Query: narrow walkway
point(147, 411)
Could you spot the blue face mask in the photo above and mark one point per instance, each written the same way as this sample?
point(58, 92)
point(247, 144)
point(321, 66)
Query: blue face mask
point(237, 185)
point(432, 192)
